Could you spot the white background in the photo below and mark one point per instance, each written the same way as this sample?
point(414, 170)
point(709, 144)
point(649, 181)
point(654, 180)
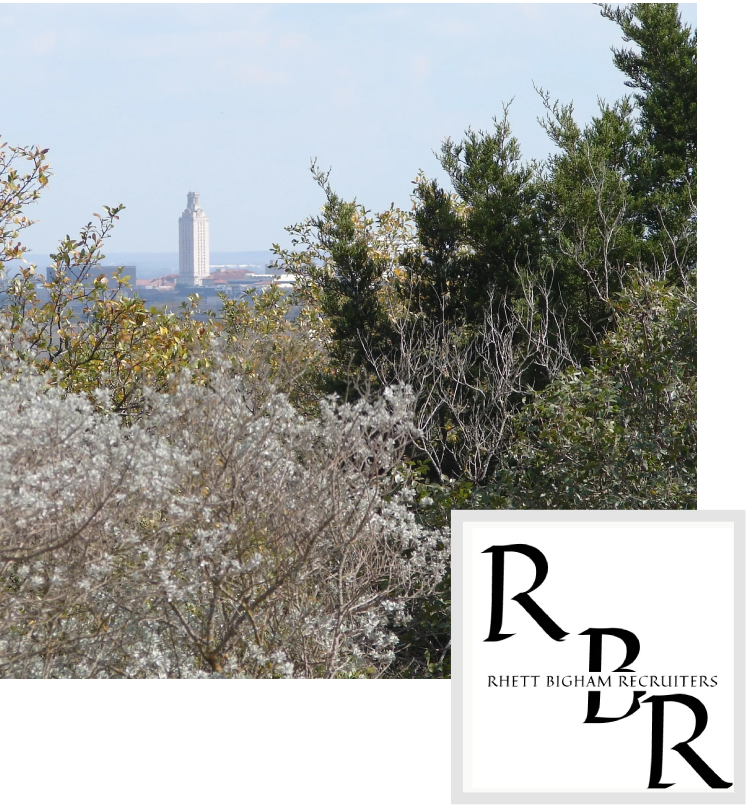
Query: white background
point(670, 584)
point(359, 743)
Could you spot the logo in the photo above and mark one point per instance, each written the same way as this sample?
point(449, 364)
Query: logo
point(597, 655)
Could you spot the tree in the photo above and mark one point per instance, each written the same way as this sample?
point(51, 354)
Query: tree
point(664, 71)
point(588, 207)
point(220, 534)
point(340, 273)
point(497, 283)
point(621, 433)
point(270, 343)
point(17, 190)
point(495, 199)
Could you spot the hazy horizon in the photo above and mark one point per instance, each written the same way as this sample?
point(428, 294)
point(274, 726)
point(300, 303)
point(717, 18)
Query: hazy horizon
point(153, 264)
point(139, 104)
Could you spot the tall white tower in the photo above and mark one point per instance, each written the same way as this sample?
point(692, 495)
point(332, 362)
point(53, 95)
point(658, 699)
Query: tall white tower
point(193, 243)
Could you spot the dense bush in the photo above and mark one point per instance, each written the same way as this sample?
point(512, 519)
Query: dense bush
point(223, 532)
point(622, 433)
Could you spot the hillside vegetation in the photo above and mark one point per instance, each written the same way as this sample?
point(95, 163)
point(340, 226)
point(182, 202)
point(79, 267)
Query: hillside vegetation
point(265, 496)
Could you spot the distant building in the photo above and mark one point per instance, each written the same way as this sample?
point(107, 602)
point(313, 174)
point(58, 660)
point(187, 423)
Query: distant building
point(193, 243)
point(235, 278)
point(90, 275)
point(165, 283)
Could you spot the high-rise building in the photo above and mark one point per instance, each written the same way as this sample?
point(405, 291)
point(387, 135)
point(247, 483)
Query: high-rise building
point(193, 243)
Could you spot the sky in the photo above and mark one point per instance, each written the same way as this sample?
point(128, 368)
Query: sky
point(139, 104)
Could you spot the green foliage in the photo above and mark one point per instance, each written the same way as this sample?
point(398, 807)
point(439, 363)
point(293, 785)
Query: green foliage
point(588, 204)
point(341, 275)
point(18, 189)
point(664, 70)
point(424, 650)
point(621, 433)
point(266, 342)
point(87, 335)
point(543, 313)
point(83, 331)
point(424, 644)
point(495, 224)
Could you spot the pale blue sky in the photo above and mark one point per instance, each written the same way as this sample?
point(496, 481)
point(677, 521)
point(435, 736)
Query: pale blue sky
point(141, 103)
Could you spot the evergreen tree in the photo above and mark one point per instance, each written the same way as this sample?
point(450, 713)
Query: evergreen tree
point(663, 69)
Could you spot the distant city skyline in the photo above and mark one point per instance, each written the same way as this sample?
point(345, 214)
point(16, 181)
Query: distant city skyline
point(140, 103)
point(158, 263)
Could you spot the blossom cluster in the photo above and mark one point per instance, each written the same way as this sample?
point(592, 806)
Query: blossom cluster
point(221, 534)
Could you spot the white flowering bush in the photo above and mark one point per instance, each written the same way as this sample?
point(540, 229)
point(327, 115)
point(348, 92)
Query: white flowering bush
point(222, 533)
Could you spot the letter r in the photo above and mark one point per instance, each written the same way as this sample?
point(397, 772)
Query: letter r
point(498, 552)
